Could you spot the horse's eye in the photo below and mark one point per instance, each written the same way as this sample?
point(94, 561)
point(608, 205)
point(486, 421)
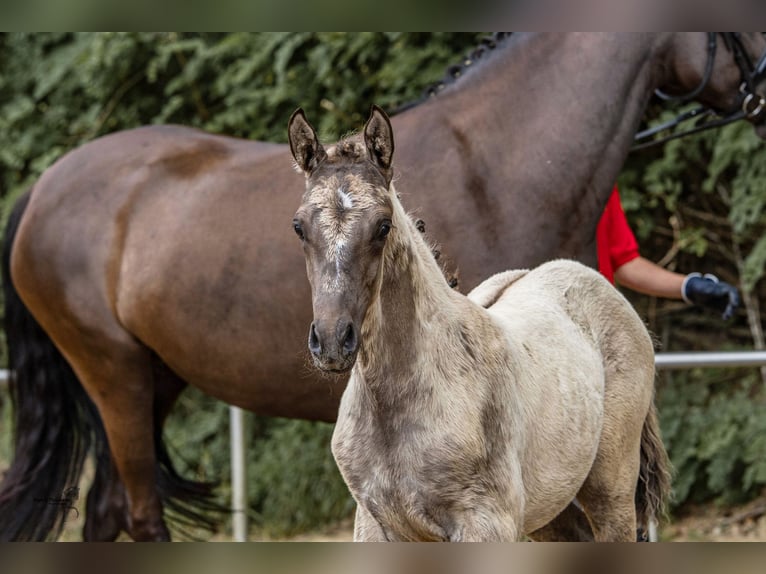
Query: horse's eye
point(384, 229)
point(298, 229)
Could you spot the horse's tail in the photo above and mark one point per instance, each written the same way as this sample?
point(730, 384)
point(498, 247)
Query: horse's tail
point(654, 478)
point(191, 506)
point(55, 421)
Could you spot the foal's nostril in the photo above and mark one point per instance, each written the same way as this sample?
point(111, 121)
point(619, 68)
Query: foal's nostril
point(314, 345)
point(349, 339)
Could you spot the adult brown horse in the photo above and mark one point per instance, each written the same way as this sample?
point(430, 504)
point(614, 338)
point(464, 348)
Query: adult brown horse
point(162, 256)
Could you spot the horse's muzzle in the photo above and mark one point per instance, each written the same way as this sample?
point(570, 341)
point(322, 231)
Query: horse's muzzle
point(333, 350)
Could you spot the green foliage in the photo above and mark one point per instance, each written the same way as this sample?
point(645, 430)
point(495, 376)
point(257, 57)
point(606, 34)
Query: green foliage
point(754, 264)
point(721, 174)
point(738, 163)
point(6, 431)
point(293, 483)
point(296, 484)
point(715, 431)
point(701, 199)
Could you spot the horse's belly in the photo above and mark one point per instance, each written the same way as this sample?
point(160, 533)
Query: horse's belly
point(563, 415)
point(561, 447)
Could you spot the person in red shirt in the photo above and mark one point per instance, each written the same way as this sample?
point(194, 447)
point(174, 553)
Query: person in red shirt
point(620, 260)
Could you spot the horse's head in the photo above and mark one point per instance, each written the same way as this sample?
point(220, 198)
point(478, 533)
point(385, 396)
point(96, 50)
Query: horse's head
point(724, 71)
point(343, 223)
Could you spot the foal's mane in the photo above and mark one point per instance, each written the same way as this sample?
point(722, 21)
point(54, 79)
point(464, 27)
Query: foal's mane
point(455, 71)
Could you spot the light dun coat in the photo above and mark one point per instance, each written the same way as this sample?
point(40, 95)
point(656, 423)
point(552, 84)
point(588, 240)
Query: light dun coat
point(468, 418)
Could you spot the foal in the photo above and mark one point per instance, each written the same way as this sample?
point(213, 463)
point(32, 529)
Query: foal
point(468, 418)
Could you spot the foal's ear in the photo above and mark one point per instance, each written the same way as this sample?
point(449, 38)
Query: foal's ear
point(379, 139)
point(304, 144)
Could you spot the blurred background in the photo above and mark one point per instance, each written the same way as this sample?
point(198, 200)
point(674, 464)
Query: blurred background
point(696, 204)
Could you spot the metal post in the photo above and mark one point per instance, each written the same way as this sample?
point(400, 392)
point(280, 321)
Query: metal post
point(238, 474)
point(653, 530)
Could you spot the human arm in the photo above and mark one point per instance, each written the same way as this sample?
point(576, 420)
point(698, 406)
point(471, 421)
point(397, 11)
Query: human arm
point(642, 275)
point(646, 277)
point(619, 259)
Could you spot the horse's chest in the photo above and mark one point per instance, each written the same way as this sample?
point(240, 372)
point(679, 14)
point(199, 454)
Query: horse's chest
point(413, 487)
point(404, 502)
point(381, 467)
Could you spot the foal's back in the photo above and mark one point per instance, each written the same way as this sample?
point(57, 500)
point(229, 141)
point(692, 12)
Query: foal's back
point(566, 289)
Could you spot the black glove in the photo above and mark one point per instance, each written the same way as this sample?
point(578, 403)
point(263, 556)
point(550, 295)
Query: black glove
point(707, 291)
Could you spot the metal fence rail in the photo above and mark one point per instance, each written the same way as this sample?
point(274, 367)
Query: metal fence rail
point(710, 359)
point(663, 361)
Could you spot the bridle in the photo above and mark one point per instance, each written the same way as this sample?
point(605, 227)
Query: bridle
point(751, 107)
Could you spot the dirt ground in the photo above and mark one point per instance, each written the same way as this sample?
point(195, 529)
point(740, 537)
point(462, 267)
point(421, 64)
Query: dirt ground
point(746, 523)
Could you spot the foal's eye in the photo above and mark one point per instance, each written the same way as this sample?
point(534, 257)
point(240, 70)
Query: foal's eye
point(383, 229)
point(298, 229)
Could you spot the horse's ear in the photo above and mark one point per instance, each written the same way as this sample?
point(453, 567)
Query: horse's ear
point(304, 144)
point(379, 139)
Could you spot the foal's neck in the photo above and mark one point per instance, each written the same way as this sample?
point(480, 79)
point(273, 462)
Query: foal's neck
point(412, 311)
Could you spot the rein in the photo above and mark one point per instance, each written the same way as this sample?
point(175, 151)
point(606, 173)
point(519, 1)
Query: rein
point(711, 49)
point(751, 107)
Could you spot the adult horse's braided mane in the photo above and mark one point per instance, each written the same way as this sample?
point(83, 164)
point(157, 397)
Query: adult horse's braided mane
point(455, 71)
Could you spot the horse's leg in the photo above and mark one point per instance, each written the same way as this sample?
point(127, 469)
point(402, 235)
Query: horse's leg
point(121, 384)
point(127, 412)
point(488, 527)
point(570, 526)
point(107, 512)
point(612, 511)
point(608, 493)
point(366, 528)
point(492, 519)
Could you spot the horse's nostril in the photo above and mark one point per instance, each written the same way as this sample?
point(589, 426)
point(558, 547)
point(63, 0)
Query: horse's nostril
point(349, 339)
point(314, 345)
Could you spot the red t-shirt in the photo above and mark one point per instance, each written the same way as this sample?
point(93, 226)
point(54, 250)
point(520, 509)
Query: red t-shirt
point(614, 239)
